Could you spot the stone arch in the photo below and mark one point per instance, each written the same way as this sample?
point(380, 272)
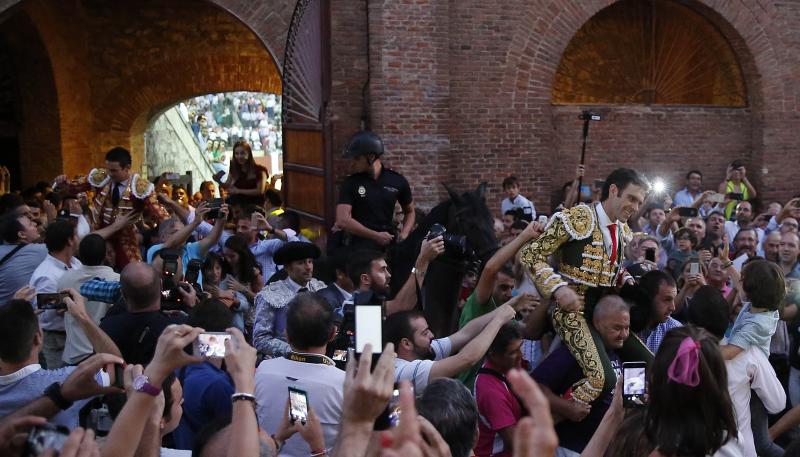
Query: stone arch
point(110, 81)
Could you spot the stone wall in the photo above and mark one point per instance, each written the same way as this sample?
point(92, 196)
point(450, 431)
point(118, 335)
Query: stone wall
point(171, 147)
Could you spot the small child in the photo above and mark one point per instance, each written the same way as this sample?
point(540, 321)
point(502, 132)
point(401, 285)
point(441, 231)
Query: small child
point(514, 200)
point(764, 289)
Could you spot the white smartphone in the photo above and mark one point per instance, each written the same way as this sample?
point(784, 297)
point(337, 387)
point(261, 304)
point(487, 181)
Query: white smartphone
point(211, 344)
point(369, 328)
point(694, 268)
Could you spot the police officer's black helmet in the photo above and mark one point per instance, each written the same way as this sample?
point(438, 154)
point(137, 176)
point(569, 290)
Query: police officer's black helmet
point(362, 143)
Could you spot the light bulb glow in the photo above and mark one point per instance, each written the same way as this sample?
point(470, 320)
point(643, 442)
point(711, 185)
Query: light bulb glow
point(659, 186)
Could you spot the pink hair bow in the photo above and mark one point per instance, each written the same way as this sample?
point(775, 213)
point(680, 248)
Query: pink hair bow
point(684, 368)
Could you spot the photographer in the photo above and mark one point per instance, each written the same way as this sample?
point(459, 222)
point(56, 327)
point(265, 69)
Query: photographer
point(369, 272)
point(22, 379)
point(207, 387)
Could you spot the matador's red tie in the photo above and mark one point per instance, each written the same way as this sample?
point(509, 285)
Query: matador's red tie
point(613, 229)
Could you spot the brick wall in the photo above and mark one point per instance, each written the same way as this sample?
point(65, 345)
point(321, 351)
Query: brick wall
point(473, 103)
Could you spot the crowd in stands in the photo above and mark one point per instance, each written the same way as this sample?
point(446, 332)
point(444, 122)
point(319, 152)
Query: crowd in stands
point(138, 320)
point(221, 120)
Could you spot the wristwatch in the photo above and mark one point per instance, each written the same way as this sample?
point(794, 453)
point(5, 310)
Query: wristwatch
point(53, 392)
point(141, 383)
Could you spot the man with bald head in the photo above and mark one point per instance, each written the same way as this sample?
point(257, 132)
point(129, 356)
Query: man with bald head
point(770, 245)
point(136, 330)
point(559, 371)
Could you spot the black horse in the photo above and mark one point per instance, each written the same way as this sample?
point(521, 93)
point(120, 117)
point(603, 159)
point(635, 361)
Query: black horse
point(463, 215)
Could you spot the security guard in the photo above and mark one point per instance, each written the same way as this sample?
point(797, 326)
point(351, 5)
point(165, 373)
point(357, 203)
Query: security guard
point(367, 197)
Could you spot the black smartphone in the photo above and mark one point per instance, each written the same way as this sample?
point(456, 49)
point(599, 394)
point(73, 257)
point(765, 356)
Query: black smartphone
point(171, 267)
point(214, 204)
point(688, 212)
point(650, 255)
point(51, 301)
point(599, 183)
point(369, 327)
point(113, 375)
point(390, 417)
point(736, 196)
point(193, 271)
point(298, 405)
point(634, 384)
point(44, 437)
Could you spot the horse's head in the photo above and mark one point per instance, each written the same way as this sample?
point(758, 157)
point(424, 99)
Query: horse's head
point(469, 216)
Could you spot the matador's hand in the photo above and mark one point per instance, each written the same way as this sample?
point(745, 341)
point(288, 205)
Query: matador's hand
point(568, 300)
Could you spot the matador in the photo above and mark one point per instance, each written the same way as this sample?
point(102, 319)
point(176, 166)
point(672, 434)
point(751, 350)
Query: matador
point(576, 261)
point(117, 193)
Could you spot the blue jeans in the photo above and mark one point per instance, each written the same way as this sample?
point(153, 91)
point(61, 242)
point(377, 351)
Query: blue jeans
point(760, 426)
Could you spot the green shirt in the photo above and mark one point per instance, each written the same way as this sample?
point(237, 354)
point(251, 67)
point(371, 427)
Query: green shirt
point(472, 309)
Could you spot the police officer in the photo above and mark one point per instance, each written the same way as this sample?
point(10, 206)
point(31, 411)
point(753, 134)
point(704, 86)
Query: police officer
point(367, 197)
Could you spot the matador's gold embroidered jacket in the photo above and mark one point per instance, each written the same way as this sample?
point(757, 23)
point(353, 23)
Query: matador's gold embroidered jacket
point(575, 241)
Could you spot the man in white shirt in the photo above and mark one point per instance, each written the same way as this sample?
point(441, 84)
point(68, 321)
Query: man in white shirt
point(689, 194)
point(61, 239)
point(744, 219)
point(421, 358)
point(92, 250)
point(309, 328)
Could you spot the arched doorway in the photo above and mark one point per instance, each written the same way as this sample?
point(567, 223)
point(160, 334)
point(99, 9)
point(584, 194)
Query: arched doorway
point(672, 79)
point(114, 66)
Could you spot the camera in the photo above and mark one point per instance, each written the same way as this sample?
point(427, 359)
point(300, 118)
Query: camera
point(455, 244)
point(589, 116)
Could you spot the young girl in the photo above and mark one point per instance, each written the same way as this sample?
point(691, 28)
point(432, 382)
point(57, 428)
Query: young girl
point(247, 181)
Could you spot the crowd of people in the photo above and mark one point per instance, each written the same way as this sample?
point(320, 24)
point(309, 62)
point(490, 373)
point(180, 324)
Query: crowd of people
point(221, 120)
point(136, 319)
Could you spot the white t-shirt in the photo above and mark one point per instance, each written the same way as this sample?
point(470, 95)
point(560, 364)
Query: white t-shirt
point(751, 370)
point(418, 371)
point(324, 385)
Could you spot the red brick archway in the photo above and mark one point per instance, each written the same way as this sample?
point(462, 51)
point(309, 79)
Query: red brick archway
point(115, 68)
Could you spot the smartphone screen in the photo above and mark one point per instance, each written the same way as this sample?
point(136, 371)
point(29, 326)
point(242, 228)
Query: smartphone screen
point(51, 301)
point(170, 266)
point(634, 384)
point(298, 405)
point(716, 198)
point(650, 255)
point(694, 268)
point(390, 417)
point(211, 344)
point(47, 436)
point(736, 196)
point(687, 212)
point(369, 327)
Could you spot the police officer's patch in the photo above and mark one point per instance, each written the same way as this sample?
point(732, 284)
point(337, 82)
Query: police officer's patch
point(362, 191)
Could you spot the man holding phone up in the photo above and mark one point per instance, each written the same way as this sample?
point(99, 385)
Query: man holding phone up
point(304, 368)
point(61, 239)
